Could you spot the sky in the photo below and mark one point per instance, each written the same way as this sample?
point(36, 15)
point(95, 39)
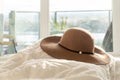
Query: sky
point(58, 5)
point(80, 4)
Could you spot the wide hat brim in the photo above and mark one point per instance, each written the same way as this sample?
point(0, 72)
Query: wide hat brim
point(51, 47)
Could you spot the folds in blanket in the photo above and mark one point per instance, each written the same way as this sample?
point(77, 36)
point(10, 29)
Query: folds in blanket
point(54, 69)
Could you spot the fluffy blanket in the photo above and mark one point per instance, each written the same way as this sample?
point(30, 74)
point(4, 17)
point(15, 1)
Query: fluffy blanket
point(52, 69)
point(33, 64)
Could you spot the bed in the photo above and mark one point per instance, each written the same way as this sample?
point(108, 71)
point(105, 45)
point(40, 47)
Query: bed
point(30, 64)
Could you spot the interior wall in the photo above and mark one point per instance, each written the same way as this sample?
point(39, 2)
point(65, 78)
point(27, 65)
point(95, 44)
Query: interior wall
point(116, 25)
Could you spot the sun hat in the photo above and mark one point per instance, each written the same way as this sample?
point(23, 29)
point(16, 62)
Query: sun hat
point(75, 44)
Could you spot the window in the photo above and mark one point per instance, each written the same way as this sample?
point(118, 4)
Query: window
point(27, 17)
point(22, 21)
point(26, 27)
point(93, 15)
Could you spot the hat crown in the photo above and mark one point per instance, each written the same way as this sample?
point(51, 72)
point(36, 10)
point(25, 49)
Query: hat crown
point(78, 40)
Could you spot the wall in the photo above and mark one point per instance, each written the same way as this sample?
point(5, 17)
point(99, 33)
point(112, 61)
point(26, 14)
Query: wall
point(116, 25)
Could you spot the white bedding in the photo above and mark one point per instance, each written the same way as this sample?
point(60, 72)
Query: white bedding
point(52, 69)
point(33, 64)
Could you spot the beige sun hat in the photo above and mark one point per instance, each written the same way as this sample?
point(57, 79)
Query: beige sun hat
point(75, 44)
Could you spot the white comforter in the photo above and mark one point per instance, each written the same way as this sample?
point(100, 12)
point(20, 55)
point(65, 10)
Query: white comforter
point(51, 69)
point(33, 64)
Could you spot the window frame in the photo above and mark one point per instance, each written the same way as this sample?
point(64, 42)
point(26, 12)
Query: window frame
point(44, 19)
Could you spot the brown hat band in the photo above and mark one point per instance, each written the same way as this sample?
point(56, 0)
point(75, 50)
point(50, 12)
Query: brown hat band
point(79, 52)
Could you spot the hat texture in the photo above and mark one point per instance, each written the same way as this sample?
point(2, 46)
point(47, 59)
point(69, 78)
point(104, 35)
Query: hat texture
point(75, 44)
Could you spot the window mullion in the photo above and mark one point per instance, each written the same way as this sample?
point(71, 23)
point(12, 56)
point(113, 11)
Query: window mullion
point(44, 18)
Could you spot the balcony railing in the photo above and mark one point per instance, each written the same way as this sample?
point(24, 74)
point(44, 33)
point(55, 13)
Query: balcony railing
point(26, 24)
point(95, 21)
